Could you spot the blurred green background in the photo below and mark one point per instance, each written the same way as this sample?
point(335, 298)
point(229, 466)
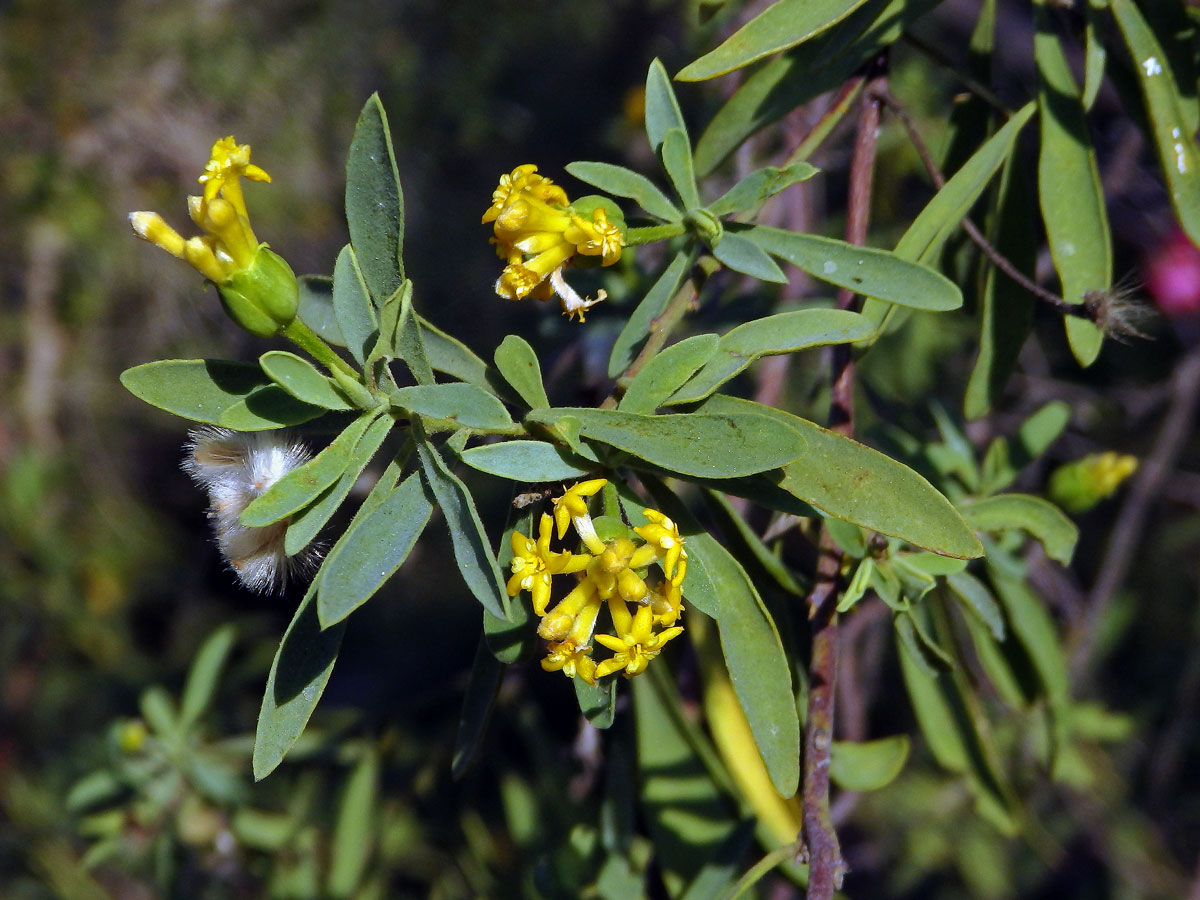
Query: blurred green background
point(108, 583)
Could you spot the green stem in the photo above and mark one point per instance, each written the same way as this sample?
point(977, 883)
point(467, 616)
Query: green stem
point(343, 373)
point(651, 233)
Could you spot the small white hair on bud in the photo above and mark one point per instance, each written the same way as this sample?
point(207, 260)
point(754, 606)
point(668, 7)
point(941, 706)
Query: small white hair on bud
point(235, 468)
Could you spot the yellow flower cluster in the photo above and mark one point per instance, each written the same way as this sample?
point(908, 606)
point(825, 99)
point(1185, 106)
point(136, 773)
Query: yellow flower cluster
point(537, 233)
point(228, 244)
point(610, 573)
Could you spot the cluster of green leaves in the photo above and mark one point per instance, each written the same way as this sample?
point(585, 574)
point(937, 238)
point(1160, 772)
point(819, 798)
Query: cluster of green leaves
point(425, 404)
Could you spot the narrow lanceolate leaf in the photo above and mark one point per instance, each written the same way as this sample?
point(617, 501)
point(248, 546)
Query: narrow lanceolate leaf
point(352, 306)
point(783, 24)
point(597, 702)
point(471, 548)
point(204, 675)
point(520, 367)
point(662, 109)
point(298, 677)
point(940, 218)
point(450, 355)
point(622, 182)
point(771, 336)
point(638, 326)
point(667, 371)
point(469, 406)
point(301, 379)
point(197, 389)
point(1069, 189)
point(1006, 308)
point(316, 308)
point(265, 409)
point(375, 203)
point(979, 599)
point(759, 186)
point(742, 255)
point(303, 484)
point(677, 159)
point(891, 277)
point(307, 523)
point(354, 832)
point(717, 585)
point(851, 481)
point(371, 550)
point(530, 462)
point(1173, 138)
point(706, 446)
point(870, 765)
point(1040, 518)
point(478, 704)
point(757, 663)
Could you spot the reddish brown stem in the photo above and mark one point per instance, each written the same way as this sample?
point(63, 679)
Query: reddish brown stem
point(826, 865)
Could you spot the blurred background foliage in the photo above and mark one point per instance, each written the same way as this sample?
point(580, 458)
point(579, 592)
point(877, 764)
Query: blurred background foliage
point(109, 586)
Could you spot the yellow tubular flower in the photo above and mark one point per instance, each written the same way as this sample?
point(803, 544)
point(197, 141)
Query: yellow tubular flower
point(663, 534)
point(537, 233)
point(257, 287)
point(573, 505)
point(634, 649)
point(571, 659)
point(534, 563)
point(666, 602)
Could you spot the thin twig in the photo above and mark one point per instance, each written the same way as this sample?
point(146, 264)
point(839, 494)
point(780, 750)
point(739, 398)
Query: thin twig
point(826, 864)
point(970, 82)
point(1090, 307)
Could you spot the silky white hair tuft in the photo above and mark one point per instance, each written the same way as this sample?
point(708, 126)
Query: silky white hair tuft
point(235, 468)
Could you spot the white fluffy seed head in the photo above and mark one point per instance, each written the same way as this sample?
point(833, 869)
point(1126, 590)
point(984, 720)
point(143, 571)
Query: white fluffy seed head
point(235, 468)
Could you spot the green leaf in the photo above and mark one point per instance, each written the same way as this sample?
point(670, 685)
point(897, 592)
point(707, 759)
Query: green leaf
point(783, 24)
point(354, 832)
point(706, 446)
point(717, 585)
point(1042, 429)
point(371, 550)
point(532, 462)
point(666, 372)
point(638, 326)
point(1034, 628)
point(732, 523)
point(760, 186)
point(597, 702)
point(677, 160)
point(979, 600)
point(782, 84)
point(1173, 138)
point(622, 182)
point(1006, 310)
point(770, 336)
point(685, 834)
point(472, 552)
point(1095, 56)
point(890, 277)
point(469, 406)
point(940, 217)
point(197, 389)
point(316, 308)
point(302, 485)
point(1069, 189)
point(406, 342)
point(375, 202)
point(743, 255)
point(662, 109)
point(352, 306)
point(851, 481)
point(870, 765)
point(1040, 518)
point(301, 379)
point(302, 666)
point(450, 355)
point(267, 408)
point(478, 703)
point(520, 367)
point(305, 524)
point(204, 675)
